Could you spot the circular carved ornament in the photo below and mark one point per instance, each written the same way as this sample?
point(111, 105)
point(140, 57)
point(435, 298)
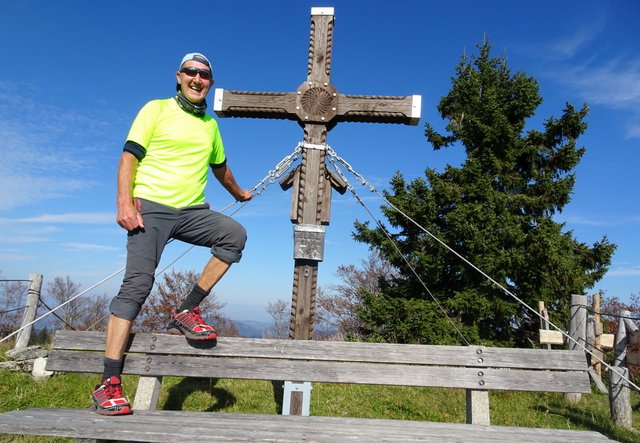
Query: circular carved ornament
point(316, 102)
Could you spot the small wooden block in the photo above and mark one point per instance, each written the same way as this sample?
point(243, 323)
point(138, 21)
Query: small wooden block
point(548, 337)
point(606, 341)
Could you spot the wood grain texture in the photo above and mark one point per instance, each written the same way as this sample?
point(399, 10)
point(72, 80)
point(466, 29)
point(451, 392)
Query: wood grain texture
point(473, 367)
point(468, 356)
point(334, 362)
point(163, 426)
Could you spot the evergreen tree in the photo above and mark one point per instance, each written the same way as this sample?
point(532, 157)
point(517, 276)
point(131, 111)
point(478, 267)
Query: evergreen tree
point(496, 210)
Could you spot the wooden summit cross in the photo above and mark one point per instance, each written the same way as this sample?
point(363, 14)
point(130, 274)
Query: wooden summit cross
point(317, 106)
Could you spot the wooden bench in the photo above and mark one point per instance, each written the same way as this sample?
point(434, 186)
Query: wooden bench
point(477, 369)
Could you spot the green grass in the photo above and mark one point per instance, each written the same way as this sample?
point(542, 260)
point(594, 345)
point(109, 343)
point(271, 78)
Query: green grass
point(538, 410)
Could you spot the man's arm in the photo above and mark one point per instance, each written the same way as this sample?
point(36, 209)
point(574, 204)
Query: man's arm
point(128, 216)
point(226, 179)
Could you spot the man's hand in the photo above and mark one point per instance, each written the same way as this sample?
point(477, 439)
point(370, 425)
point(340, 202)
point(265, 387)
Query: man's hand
point(226, 179)
point(129, 217)
point(244, 195)
point(128, 214)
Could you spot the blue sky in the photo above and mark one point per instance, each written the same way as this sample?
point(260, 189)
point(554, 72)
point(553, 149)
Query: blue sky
point(74, 74)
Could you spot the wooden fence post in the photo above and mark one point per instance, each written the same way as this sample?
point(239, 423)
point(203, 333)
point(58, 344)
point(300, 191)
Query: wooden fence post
point(577, 331)
point(597, 366)
point(619, 394)
point(591, 338)
point(629, 324)
point(33, 296)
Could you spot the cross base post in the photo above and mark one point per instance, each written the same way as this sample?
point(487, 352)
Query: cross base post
point(297, 398)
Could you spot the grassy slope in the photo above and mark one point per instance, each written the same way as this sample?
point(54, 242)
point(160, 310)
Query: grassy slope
point(540, 410)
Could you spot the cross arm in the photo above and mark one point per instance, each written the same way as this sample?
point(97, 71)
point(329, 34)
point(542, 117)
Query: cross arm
point(379, 109)
point(275, 105)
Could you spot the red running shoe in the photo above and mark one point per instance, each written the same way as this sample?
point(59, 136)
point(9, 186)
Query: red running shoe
point(108, 399)
point(192, 325)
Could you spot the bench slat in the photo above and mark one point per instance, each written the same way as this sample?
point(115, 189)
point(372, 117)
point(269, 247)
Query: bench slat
point(469, 356)
point(330, 372)
point(162, 426)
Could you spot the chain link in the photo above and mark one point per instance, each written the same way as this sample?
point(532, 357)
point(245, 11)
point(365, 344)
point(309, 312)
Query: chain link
point(349, 168)
point(278, 170)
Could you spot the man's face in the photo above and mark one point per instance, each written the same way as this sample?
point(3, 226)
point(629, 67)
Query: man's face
point(195, 80)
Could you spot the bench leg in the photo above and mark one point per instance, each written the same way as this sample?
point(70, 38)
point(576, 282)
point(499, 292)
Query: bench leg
point(147, 393)
point(478, 407)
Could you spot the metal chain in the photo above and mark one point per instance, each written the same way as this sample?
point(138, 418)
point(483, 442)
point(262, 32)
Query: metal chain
point(349, 168)
point(270, 178)
point(278, 170)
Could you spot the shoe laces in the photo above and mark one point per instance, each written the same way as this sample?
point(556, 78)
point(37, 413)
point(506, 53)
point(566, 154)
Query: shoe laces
point(195, 316)
point(113, 390)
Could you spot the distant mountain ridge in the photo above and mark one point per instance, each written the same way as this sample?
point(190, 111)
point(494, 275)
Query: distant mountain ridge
point(246, 328)
point(250, 328)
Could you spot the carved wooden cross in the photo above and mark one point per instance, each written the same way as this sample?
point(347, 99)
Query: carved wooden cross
point(317, 106)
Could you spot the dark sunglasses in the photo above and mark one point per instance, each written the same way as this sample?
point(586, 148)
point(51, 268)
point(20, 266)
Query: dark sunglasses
point(192, 72)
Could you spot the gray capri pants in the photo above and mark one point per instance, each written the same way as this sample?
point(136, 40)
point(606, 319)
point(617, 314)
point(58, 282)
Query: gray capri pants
point(197, 225)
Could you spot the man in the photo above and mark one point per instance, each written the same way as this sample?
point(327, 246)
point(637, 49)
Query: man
point(161, 180)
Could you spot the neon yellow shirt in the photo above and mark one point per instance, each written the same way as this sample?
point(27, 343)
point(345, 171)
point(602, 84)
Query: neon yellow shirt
point(179, 149)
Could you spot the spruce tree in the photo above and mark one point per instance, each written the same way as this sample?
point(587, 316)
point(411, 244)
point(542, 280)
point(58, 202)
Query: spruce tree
point(496, 210)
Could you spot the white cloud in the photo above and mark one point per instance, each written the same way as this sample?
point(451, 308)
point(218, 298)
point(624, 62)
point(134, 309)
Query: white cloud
point(592, 67)
point(84, 218)
point(593, 221)
point(569, 45)
point(18, 239)
point(625, 272)
point(43, 148)
point(12, 255)
point(41, 228)
point(615, 83)
point(90, 247)
point(19, 190)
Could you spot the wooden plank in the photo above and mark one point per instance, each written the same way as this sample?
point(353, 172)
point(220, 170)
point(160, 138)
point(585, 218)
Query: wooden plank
point(379, 109)
point(74, 361)
point(598, 381)
point(330, 372)
point(470, 356)
point(273, 105)
point(162, 426)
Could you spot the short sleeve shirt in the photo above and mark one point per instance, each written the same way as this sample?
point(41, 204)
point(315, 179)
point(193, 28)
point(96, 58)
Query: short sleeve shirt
point(179, 149)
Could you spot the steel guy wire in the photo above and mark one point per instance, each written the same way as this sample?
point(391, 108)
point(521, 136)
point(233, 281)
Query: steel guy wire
point(393, 242)
point(55, 314)
point(333, 154)
point(270, 178)
point(63, 304)
point(604, 314)
point(13, 310)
